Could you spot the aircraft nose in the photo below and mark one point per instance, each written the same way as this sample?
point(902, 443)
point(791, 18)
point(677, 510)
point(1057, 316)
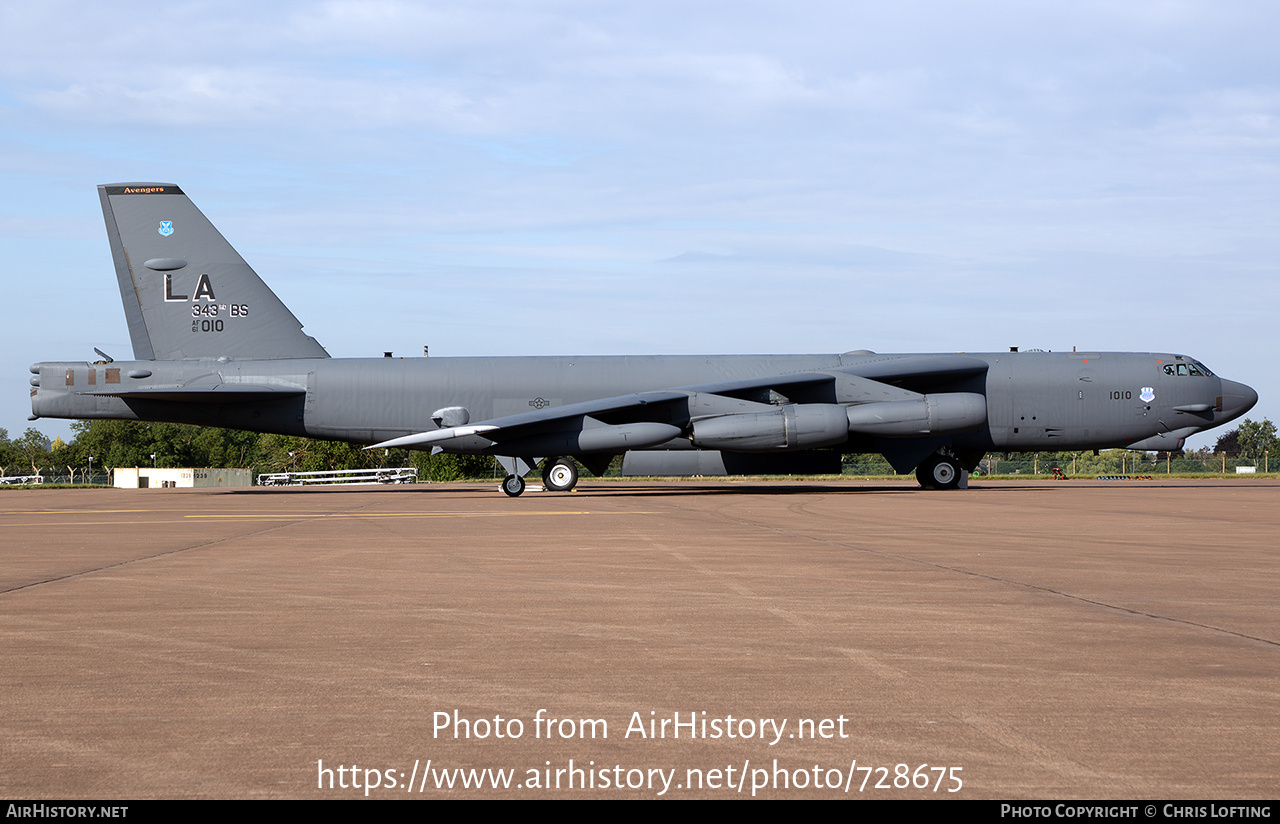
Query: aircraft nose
point(1237, 399)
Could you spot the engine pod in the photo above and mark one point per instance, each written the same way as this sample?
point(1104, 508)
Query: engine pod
point(794, 426)
point(940, 414)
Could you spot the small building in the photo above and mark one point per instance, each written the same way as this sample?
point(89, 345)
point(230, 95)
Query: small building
point(165, 477)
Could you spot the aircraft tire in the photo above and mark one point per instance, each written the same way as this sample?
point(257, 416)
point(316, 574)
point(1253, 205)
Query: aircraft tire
point(939, 472)
point(513, 485)
point(561, 476)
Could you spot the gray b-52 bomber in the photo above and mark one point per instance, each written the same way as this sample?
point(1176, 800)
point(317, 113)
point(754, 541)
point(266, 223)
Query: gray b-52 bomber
point(213, 345)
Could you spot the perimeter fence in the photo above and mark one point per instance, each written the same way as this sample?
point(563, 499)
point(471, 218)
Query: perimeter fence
point(15, 477)
point(1086, 464)
point(1114, 462)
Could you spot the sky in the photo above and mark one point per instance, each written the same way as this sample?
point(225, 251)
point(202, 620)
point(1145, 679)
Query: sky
point(584, 177)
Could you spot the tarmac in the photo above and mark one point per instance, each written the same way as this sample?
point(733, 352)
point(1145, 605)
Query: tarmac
point(1018, 640)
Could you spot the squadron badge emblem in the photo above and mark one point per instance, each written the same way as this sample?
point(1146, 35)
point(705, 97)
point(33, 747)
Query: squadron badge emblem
point(166, 228)
point(1148, 394)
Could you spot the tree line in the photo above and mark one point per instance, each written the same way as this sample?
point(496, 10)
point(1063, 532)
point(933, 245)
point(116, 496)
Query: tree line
point(113, 444)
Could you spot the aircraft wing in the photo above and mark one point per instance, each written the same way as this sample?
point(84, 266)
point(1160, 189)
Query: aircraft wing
point(637, 408)
point(919, 372)
point(644, 419)
point(527, 423)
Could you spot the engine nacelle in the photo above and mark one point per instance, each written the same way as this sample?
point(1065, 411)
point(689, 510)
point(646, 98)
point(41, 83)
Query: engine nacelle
point(940, 414)
point(794, 426)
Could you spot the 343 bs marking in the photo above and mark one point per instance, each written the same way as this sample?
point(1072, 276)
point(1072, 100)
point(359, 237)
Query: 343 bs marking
point(211, 310)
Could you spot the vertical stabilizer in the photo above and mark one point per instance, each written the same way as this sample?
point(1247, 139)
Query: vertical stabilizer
point(187, 293)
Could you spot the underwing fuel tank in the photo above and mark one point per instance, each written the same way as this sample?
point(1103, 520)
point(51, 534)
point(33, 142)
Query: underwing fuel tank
point(794, 426)
point(940, 414)
point(595, 439)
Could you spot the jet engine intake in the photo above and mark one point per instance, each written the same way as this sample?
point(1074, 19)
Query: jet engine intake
point(940, 414)
point(793, 426)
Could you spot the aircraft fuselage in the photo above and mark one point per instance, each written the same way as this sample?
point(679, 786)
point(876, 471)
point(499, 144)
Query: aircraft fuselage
point(1035, 400)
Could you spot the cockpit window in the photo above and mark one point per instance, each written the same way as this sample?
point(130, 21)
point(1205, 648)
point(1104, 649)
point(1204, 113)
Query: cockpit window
point(1194, 368)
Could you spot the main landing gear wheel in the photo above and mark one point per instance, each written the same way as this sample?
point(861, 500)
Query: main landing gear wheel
point(560, 476)
point(513, 485)
point(939, 472)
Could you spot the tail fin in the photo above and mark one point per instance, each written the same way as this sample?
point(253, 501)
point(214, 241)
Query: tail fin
point(187, 293)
